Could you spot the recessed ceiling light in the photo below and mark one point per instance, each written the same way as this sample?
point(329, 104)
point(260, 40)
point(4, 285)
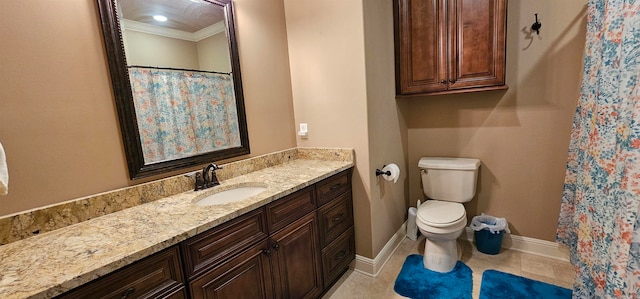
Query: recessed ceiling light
point(160, 18)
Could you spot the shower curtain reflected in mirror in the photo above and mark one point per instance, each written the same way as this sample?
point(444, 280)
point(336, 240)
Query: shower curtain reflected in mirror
point(599, 217)
point(183, 113)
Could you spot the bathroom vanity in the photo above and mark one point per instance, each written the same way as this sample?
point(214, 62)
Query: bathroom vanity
point(294, 247)
point(293, 240)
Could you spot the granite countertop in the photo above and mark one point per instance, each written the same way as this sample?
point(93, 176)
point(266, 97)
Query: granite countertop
point(54, 262)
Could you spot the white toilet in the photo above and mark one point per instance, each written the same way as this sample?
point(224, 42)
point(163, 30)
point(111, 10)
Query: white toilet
point(447, 183)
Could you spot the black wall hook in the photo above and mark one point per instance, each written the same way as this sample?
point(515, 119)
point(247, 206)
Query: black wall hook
point(536, 26)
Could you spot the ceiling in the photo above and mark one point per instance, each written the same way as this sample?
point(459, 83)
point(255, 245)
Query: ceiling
point(184, 15)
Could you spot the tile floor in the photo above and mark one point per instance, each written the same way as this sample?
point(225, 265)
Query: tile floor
point(357, 285)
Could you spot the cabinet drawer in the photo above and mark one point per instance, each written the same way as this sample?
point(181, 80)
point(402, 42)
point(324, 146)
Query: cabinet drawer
point(334, 218)
point(337, 256)
point(290, 208)
point(157, 276)
point(210, 248)
point(335, 185)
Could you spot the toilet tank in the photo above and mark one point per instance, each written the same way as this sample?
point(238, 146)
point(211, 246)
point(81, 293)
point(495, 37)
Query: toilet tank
point(449, 179)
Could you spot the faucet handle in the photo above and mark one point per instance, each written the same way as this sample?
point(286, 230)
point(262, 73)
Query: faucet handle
point(199, 181)
point(216, 167)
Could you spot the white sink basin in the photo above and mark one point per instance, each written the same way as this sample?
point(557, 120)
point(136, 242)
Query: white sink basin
point(229, 195)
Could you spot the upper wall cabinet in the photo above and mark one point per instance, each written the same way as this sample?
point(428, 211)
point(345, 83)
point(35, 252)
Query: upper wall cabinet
point(449, 46)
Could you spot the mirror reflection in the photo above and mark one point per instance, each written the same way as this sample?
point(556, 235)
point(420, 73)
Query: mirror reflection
point(175, 34)
point(182, 102)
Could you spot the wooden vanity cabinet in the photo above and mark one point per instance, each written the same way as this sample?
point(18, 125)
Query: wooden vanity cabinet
point(271, 252)
point(294, 247)
point(335, 222)
point(303, 232)
point(449, 46)
point(157, 276)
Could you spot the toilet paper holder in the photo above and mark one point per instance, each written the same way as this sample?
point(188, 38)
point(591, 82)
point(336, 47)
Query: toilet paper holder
point(380, 172)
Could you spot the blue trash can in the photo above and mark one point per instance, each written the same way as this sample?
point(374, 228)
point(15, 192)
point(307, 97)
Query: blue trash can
point(489, 232)
point(488, 242)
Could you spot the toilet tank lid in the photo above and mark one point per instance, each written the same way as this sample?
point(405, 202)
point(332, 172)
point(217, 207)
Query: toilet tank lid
point(449, 163)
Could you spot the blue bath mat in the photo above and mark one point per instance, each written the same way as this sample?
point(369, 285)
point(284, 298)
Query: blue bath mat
point(416, 282)
point(500, 285)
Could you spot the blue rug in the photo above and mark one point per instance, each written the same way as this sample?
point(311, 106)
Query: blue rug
point(500, 285)
point(416, 282)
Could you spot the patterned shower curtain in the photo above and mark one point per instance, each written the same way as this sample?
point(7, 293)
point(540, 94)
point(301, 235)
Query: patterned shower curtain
point(183, 113)
point(600, 212)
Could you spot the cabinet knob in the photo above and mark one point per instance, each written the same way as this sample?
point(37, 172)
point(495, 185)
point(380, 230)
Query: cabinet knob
point(266, 251)
point(443, 82)
point(337, 218)
point(128, 293)
point(341, 254)
point(335, 187)
point(452, 81)
point(276, 246)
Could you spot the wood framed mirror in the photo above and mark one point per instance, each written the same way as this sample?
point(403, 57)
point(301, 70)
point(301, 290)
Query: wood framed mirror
point(164, 138)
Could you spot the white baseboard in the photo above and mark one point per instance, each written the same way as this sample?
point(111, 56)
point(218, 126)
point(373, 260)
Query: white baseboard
point(528, 245)
point(372, 267)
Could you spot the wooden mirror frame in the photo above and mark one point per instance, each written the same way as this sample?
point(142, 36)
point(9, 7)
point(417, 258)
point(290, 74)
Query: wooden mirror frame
point(124, 98)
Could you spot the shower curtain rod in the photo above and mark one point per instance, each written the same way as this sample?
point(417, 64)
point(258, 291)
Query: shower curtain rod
point(176, 69)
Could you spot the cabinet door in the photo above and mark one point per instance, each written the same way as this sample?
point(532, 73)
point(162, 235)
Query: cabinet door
point(421, 46)
point(477, 34)
point(246, 276)
point(295, 260)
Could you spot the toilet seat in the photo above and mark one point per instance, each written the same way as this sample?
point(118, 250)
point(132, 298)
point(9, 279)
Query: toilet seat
point(437, 213)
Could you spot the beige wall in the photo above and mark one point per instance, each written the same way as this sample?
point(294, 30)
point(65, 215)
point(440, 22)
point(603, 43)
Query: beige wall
point(521, 135)
point(58, 121)
point(386, 125)
point(342, 70)
point(213, 53)
point(326, 53)
point(155, 50)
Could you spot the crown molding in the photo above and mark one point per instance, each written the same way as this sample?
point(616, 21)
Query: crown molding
point(173, 33)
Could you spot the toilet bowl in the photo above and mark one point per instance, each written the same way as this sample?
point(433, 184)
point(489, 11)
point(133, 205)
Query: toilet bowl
point(441, 223)
point(447, 182)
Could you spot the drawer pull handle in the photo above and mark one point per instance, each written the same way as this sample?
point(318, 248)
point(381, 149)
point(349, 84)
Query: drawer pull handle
point(337, 218)
point(341, 254)
point(276, 246)
point(128, 293)
point(335, 187)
